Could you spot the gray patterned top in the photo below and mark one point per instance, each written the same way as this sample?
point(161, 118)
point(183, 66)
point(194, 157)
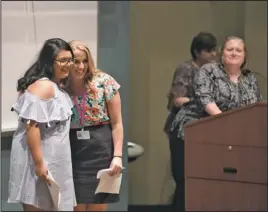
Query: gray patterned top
point(182, 82)
point(181, 87)
point(212, 84)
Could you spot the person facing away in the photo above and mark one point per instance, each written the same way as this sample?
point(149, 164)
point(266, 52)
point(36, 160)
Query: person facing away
point(41, 142)
point(96, 112)
point(218, 87)
point(203, 50)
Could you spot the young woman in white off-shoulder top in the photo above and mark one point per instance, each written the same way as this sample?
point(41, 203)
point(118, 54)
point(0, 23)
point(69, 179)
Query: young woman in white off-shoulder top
point(41, 141)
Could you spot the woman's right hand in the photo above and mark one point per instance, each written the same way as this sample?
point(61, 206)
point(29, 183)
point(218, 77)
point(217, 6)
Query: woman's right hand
point(179, 101)
point(41, 170)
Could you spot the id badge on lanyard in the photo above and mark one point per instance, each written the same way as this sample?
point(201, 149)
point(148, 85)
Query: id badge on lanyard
point(82, 134)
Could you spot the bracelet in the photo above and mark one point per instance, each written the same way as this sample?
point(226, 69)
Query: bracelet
point(117, 156)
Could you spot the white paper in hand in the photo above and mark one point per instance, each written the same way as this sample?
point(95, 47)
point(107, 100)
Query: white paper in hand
point(54, 190)
point(108, 184)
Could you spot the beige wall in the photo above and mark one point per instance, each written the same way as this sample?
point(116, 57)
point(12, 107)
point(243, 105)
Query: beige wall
point(256, 39)
point(160, 36)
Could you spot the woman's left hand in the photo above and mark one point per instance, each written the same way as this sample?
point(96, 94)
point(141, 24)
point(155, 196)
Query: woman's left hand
point(116, 166)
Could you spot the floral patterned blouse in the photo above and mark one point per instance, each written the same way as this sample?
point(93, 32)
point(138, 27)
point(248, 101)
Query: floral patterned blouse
point(102, 88)
point(212, 84)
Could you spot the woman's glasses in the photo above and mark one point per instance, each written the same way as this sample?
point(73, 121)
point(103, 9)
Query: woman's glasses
point(65, 61)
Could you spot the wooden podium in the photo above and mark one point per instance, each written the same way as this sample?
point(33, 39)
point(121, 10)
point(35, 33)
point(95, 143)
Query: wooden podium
point(226, 161)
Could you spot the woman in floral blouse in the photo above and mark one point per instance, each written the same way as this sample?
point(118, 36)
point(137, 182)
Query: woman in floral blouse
point(96, 133)
point(218, 87)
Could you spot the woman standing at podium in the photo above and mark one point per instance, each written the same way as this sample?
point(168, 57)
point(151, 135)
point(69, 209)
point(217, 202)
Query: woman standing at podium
point(203, 50)
point(218, 87)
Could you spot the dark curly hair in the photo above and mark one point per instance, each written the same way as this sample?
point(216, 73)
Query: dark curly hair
point(43, 67)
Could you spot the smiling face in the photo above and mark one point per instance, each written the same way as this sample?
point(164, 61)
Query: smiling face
point(63, 64)
point(83, 69)
point(234, 53)
point(81, 65)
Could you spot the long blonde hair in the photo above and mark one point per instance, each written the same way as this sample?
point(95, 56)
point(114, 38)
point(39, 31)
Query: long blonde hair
point(76, 44)
point(79, 45)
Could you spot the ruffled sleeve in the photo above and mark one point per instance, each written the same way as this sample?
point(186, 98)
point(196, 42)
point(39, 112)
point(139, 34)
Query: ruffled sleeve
point(31, 107)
